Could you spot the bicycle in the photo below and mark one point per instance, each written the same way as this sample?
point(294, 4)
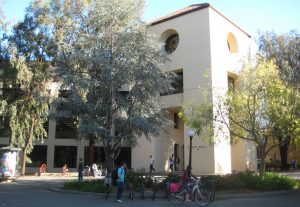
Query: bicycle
point(212, 190)
point(107, 182)
point(198, 194)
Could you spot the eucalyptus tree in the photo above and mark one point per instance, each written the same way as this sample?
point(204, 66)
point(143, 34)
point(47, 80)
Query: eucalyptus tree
point(4, 61)
point(28, 108)
point(109, 63)
point(284, 49)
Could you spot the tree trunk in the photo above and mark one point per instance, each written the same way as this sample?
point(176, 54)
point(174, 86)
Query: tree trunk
point(91, 150)
point(262, 165)
point(109, 161)
point(24, 162)
point(283, 156)
point(262, 159)
point(28, 143)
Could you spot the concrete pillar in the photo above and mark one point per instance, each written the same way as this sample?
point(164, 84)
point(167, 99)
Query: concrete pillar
point(51, 145)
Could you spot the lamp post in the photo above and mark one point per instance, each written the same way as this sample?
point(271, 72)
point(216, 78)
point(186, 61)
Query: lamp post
point(191, 134)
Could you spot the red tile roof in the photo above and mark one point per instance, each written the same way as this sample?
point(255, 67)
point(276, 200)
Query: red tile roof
point(190, 9)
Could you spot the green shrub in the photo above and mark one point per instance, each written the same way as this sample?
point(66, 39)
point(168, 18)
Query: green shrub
point(251, 181)
point(271, 181)
point(235, 181)
point(86, 186)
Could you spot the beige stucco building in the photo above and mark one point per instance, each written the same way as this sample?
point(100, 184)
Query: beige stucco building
point(199, 39)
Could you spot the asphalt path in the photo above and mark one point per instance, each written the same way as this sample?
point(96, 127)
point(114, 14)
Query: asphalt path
point(40, 193)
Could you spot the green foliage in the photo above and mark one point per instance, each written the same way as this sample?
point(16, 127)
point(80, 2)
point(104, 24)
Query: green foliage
point(251, 181)
point(238, 182)
point(25, 85)
point(86, 186)
point(173, 178)
point(260, 105)
point(110, 63)
point(284, 49)
point(198, 115)
point(274, 181)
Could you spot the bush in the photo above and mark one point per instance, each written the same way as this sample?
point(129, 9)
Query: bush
point(86, 186)
point(270, 181)
point(273, 181)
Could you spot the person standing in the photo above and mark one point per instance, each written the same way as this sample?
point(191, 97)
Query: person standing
point(151, 164)
point(171, 163)
point(294, 163)
point(80, 170)
point(65, 169)
point(120, 182)
point(177, 161)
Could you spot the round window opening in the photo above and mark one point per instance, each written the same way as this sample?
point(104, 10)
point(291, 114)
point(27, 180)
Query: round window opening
point(232, 43)
point(172, 43)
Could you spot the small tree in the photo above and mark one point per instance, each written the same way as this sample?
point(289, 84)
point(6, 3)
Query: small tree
point(109, 63)
point(284, 49)
point(258, 105)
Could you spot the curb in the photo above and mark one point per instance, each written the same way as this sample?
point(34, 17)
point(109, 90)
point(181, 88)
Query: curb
point(224, 196)
point(218, 196)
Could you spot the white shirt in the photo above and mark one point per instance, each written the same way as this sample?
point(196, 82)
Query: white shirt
point(151, 160)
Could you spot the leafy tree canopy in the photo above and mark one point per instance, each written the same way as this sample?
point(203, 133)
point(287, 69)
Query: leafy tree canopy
point(109, 63)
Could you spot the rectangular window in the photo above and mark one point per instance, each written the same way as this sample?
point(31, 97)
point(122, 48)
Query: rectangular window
point(63, 93)
point(176, 121)
point(177, 84)
point(46, 127)
point(124, 156)
point(231, 83)
point(4, 126)
point(65, 155)
point(99, 156)
point(38, 156)
point(94, 154)
point(66, 128)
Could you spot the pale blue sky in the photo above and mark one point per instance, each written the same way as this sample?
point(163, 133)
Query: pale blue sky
point(280, 16)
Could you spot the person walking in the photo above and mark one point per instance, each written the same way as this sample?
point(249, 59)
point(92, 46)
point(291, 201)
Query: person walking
point(120, 182)
point(151, 164)
point(80, 170)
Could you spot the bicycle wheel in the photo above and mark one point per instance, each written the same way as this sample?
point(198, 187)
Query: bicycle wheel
point(177, 198)
point(202, 197)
